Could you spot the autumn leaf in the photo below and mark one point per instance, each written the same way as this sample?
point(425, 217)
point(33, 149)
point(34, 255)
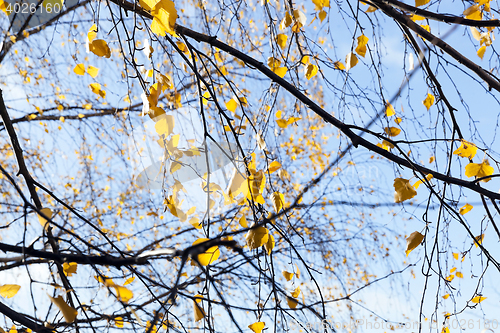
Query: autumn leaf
point(79, 69)
point(311, 71)
point(478, 240)
point(481, 51)
point(404, 191)
point(413, 241)
point(280, 71)
point(392, 131)
point(69, 268)
point(69, 313)
point(320, 4)
point(100, 48)
point(165, 126)
point(48, 213)
point(281, 40)
point(428, 101)
point(292, 302)
point(269, 245)
point(322, 15)
point(465, 209)
point(351, 60)
point(473, 13)
point(92, 71)
point(419, 3)
point(361, 48)
point(278, 200)
point(210, 255)
point(231, 105)
point(274, 166)
point(199, 313)
point(479, 170)
point(92, 34)
point(288, 276)
point(257, 327)
point(420, 182)
point(9, 290)
point(466, 149)
point(164, 18)
point(478, 299)
point(296, 292)
point(338, 65)
point(389, 110)
point(257, 237)
point(96, 89)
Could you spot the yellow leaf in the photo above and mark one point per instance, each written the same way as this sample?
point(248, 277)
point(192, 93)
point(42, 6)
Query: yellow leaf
point(404, 191)
point(79, 69)
point(9, 290)
point(338, 65)
point(445, 330)
point(257, 327)
point(478, 299)
point(274, 166)
point(287, 20)
point(47, 212)
point(280, 71)
point(122, 293)
point(416, 18)
point(371, 9)
point(459, 275)
point(91, 35)
point(446, 296)
point(465, 209)
point(129, 280)
point(419, 182)
point(118, 322)
point(292, 302)
point(428, 101)
point(481, 51)
point(257, 237)
point(175, 166)
point(431, 159)
point(351, 60)
point(419, 3)
point(320, 4)
point(455, 255)
point(479, 170)
point(478, 240)
point(231, 105)
point(361, 48)
point(322, 15)
point(164, 17)
point(69, 313)
point(210, 255)
point(392, 131)
point(413, 241)
point(199, 313)
point(100, 48)
point(195, 222)
point(311, 71)
point(296, 292)
point(473, 13)
point(96, 89)
point(281, 40)
point(69, 268)
point(278, 201)
point(269, 245)
point(288, 276)
point(389, 110)
point(165, 125)
point(243, 222)
point(282, 123)
point(466, 149)
point(92, 71)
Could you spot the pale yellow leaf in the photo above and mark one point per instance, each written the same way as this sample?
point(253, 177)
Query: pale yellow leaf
point(69, 313)
point(9, 290)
